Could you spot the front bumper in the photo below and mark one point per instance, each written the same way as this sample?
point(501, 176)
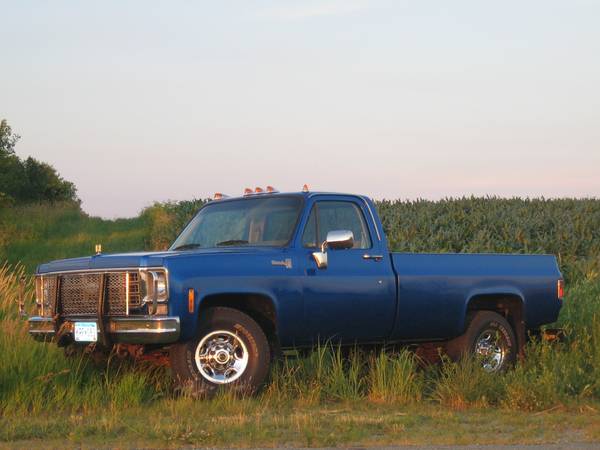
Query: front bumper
point(127, 330)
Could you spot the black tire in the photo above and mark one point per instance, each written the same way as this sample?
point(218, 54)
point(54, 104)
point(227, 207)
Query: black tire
point(228, 333)
point(497, 353)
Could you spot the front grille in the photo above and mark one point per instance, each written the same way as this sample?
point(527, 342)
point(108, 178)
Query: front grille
point(115, 294)
point(79, 293)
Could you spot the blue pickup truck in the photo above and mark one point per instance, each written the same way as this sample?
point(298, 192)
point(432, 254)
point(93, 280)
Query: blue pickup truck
point(253, 276)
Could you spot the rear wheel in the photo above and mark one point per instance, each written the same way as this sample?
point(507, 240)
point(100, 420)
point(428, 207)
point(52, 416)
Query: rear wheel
point(230, 351)
point(489, 338)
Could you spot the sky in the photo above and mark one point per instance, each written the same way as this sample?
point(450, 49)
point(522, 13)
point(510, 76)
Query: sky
point(143, 101)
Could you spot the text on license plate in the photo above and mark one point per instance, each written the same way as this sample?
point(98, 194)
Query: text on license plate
point(86, 332)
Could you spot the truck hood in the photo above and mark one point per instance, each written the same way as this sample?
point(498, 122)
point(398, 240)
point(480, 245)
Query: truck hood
point(139, 259)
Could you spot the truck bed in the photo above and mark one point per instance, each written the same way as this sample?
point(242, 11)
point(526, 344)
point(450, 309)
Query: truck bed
point(434, 290)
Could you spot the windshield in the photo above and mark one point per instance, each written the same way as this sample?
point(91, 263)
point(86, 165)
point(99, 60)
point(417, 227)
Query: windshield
point(248, 222)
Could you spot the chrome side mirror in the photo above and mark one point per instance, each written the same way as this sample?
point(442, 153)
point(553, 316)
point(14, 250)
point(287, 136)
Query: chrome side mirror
point(337, 240)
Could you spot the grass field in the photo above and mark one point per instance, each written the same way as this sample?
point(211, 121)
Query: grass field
point(325, 398)
point(33, 234)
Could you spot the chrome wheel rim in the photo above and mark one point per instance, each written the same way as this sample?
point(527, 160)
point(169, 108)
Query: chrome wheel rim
point(221, 357)
point(491, 349)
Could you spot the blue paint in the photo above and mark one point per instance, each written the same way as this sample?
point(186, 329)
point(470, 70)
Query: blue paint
point(402, 297)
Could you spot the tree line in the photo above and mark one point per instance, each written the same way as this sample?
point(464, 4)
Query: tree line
point(28, 180)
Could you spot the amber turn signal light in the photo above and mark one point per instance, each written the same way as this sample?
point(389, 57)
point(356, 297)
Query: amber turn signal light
point(191, 300)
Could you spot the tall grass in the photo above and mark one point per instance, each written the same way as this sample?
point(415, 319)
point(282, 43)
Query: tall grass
point(330, 373)
point(37, 377)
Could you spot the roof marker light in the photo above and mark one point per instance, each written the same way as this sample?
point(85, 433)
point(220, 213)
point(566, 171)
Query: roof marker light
point(248, 191)
point(219, 196)
point(271, 189)
point(258, 190)
point(305, 188)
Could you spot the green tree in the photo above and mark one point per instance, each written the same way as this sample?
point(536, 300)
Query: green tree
point(8, 140)
point(30, 180)
point(43, 183)
point(11, 169)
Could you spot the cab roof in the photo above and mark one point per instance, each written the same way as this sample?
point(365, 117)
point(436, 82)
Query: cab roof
point(309, 194)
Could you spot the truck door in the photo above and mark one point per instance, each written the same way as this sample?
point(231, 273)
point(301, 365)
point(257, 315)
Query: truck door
point(354, 297)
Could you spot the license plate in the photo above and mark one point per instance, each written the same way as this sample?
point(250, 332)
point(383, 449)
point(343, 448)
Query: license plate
point(86, 332)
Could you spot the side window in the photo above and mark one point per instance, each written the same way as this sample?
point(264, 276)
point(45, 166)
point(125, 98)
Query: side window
point(343, 216)
point(309, 238)
point(327, 216)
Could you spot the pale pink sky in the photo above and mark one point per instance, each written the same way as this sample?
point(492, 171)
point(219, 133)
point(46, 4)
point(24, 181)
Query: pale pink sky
point(140, 101)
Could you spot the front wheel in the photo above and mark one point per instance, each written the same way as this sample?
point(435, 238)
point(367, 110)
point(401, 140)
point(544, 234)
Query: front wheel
point(230, 351)
point(490, 339)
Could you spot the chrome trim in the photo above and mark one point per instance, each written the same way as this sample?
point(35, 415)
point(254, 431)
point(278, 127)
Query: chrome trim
point(144, 324)
point(491, 349)
point(144, 330)
point(38, 319)
point(372, 218)
point(154, 292)
point(118, 269)
point(127, 293)
point(41, 327)
point(41, 303)
point(152, 271)
point(133, 330)
point(338, 239)
point(373, 257)
point(320, 259)
point(287, 263)
point(221, 357)
point(143, 299)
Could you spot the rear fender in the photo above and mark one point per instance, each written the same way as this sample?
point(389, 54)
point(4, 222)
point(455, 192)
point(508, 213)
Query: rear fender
point(506, 300)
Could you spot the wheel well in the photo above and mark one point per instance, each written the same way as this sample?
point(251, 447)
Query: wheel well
point(259, 307)
point(509, 306)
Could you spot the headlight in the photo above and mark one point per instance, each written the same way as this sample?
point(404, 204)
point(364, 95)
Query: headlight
point(161, 287)
point(154, 286)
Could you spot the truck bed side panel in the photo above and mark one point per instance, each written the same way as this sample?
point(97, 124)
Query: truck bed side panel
point(434, 289)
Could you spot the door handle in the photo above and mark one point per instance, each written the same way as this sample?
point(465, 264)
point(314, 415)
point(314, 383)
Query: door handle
point(373, 257)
